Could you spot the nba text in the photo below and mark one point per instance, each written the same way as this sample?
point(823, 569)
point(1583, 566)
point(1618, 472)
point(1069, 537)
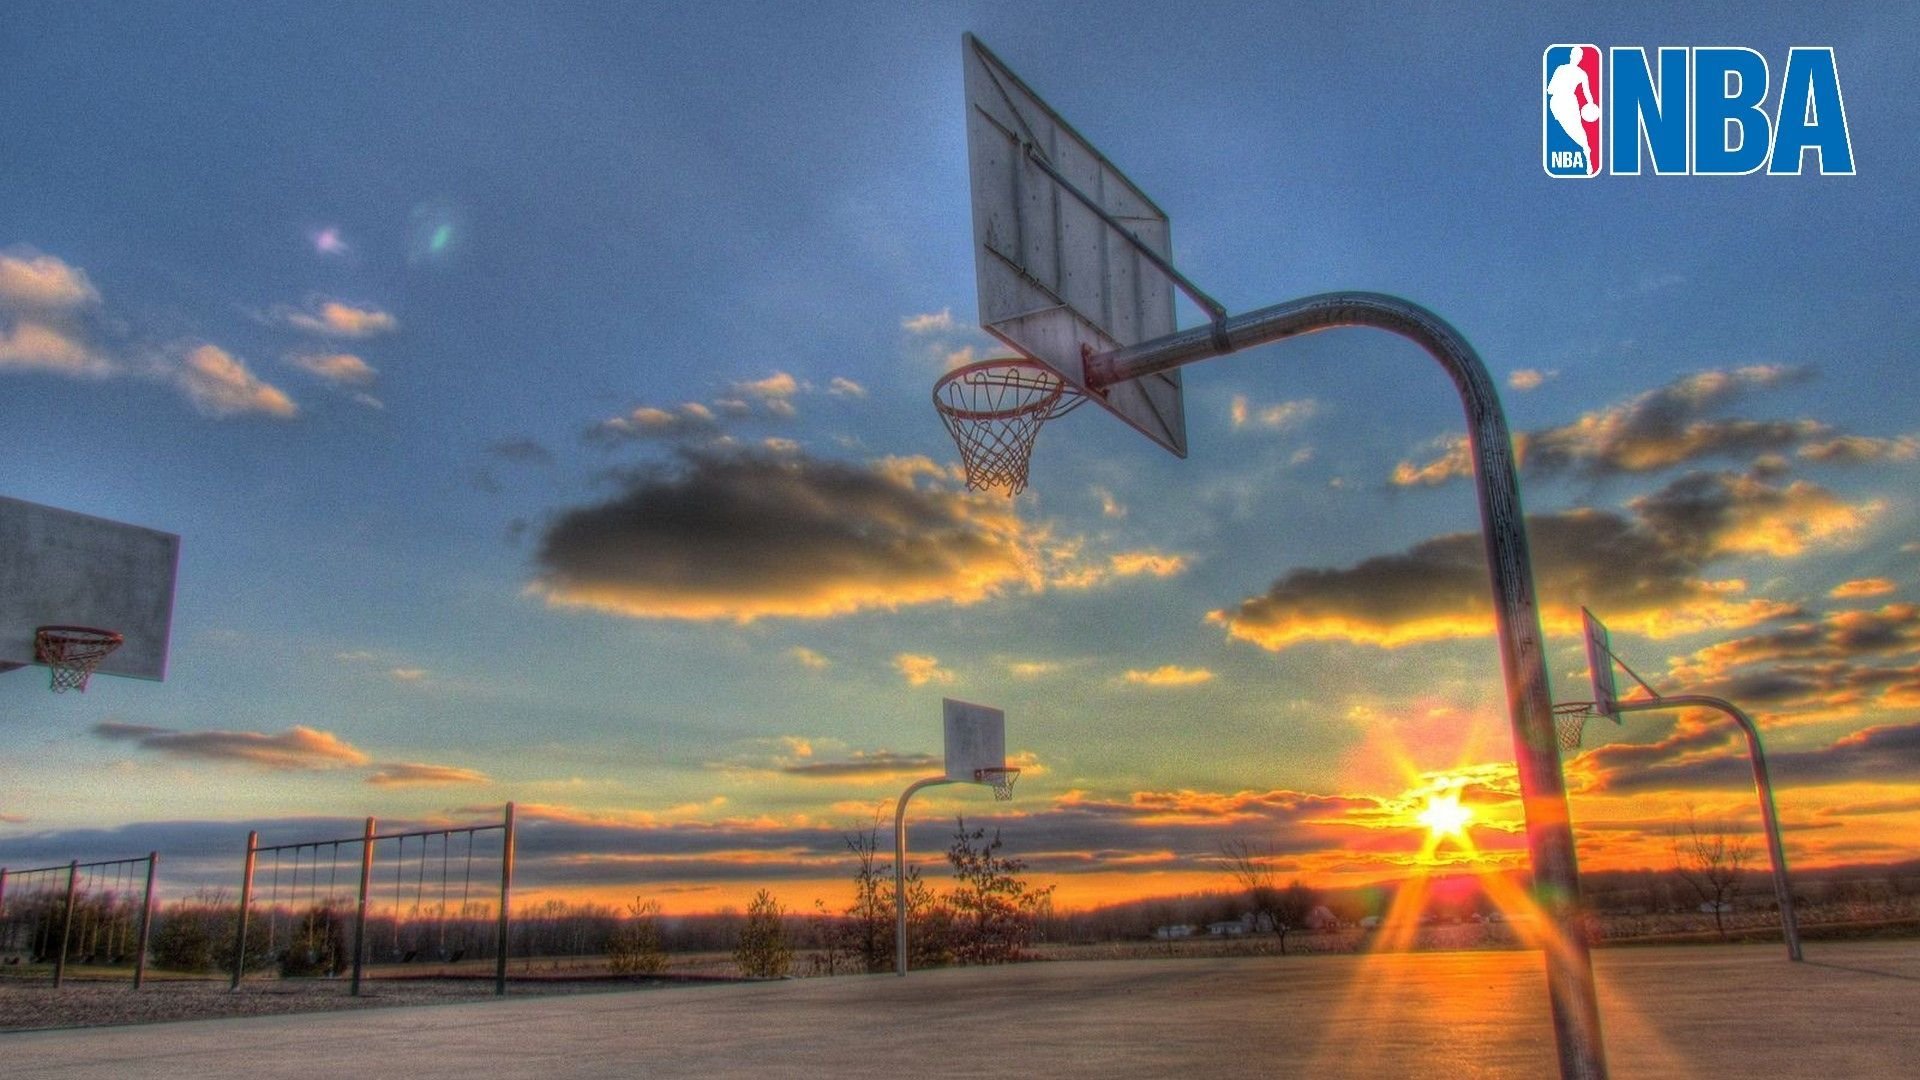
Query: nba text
point(1692, 111)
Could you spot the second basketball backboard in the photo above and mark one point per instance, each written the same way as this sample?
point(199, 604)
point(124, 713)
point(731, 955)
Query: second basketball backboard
point(976, 739)
point(61, 568)
point(1058, 279)
point(1606, 695)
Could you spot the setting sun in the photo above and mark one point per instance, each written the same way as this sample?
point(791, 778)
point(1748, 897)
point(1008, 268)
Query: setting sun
point(1444, 816)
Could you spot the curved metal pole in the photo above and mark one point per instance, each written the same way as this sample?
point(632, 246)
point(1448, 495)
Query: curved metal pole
point(900, 869)
point(1782, 888)
point(1556, 876)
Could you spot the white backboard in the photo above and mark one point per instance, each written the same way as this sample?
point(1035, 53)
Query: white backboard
point(1056, 282)
point(976, 738)
point(1600, 666)
point(59, 568)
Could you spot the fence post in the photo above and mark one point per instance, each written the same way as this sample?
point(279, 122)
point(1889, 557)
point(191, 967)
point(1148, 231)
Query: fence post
point(246, 899)
point(360, 917)
point(146, 923)
point(66, 924)
point(506, 890)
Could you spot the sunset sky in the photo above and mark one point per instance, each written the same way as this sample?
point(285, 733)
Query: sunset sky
point(542, 397)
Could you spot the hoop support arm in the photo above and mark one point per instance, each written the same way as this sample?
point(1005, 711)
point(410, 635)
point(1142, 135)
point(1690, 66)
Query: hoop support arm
point(900, 869)
point(1762, 783)
point(1575, 1005)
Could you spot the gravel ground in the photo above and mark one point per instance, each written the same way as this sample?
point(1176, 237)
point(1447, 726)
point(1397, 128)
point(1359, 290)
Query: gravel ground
point(32, 1005)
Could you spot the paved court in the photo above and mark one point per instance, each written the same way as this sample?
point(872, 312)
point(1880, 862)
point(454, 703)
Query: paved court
point(1852, 1011)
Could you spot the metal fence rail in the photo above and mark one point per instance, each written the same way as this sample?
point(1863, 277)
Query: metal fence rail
point(294, 856)
point(104, 914)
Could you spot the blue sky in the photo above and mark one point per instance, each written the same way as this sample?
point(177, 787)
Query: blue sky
point(367, 303)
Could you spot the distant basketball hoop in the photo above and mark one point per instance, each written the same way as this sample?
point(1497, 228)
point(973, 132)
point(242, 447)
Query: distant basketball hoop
point(994, 409)
point(73, 652)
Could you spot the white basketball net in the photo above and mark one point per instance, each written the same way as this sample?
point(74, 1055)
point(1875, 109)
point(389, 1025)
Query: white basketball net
point(1000, 780)
point(993, 410)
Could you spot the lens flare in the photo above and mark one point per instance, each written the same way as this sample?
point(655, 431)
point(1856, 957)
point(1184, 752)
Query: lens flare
point(435, 232)
point(1444, 816)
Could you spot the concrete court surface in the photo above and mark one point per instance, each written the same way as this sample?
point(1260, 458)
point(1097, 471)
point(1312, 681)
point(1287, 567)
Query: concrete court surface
point(1852, 1011)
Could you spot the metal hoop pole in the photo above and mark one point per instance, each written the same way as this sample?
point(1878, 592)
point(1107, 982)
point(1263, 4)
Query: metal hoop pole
point(1576, 1006)
point(1763, 785)
point(66, 925)
point(146, 923)
point(246, 897)
point(900, 870)
point(360, 915)
point(506, 892)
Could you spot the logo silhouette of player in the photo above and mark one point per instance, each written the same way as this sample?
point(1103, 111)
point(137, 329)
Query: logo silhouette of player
point(1570, 100)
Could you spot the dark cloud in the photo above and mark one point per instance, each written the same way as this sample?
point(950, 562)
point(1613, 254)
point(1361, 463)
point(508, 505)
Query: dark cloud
point(1861, 450)
point(880, 763)
point(1644, 571)
point(413, 774)
point(1842, 635)
point(744, 535)
point(1659, 429)
point(1887, 753)
point(521, 451)
point(297, 747)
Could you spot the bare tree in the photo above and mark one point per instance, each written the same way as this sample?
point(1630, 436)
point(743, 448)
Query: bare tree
point(1283, 910)
point(1711, 858)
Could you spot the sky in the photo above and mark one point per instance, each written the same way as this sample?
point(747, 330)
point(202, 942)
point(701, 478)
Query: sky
point(542, 398)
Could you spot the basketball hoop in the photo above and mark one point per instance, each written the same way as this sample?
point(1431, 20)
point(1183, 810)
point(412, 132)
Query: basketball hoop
point(994, 409)
point(1000, 780)
point(72, 652)
point(1570, 719)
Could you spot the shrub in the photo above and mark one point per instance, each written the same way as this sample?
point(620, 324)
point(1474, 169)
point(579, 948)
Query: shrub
point(763, 950)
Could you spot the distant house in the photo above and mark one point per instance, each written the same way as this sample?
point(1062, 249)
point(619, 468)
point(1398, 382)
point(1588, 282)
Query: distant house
point(1322, 918)
point(1371, 922)
point(1171, 933)
point(1708, 907)
point(1229, 928)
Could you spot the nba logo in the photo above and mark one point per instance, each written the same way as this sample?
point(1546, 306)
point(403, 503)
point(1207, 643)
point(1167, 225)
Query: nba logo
point(1571, 111)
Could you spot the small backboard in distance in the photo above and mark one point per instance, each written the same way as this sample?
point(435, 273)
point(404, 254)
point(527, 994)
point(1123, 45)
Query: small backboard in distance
point(976, 739)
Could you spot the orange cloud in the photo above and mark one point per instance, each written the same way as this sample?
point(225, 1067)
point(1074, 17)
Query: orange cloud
point(1274, 417)
point(220, 384)
point(33, 282)
point(341, 369)
point(39, 347)
point(335, 319)
point(405, 774)
point(1862, 587)
point(298, 747)
point(1152, 563)
point(1168, 675)
point(920, 670)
